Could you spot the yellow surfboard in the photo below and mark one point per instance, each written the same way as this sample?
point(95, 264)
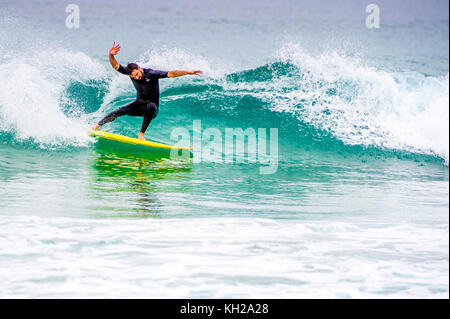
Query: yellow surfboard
point(146, 145)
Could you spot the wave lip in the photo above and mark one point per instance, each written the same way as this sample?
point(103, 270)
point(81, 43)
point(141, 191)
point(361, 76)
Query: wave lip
point(362, 105)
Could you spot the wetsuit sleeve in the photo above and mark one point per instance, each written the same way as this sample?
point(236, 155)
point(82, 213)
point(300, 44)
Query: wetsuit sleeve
point(122, 70)
point(156, 74)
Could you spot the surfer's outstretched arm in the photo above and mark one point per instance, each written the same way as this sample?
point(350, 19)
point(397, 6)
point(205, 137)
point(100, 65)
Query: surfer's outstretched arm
point(177, 73)
point(112, 52)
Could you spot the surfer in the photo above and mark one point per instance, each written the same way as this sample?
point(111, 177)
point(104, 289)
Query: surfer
point(146, 83)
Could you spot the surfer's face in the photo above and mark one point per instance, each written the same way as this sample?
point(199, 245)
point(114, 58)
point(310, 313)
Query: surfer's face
point(137, 74)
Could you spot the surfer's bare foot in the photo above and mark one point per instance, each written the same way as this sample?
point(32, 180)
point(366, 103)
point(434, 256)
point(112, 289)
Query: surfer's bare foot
point(95, 127)
point(141, 136)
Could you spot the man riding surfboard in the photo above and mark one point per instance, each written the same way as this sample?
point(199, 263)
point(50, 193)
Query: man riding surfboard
point(145, 81)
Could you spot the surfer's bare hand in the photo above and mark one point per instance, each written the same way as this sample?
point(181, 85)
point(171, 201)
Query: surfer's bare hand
point(114, 49)
point(198, 72)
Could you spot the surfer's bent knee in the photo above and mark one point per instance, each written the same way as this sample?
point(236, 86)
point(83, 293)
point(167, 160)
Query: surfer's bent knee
point(152, 109)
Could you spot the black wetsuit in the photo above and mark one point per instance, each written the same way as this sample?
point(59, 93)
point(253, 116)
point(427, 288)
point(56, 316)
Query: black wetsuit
point(147, 99)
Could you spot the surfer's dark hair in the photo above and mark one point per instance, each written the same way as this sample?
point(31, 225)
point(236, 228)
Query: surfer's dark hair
point(130, 67)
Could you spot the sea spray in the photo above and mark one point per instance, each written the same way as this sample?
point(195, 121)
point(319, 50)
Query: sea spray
point(32, 88)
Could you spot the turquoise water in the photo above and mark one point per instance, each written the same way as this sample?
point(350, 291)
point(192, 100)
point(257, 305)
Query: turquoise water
point(358, 206)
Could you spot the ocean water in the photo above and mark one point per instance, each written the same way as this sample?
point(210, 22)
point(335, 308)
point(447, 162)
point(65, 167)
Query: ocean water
point(358, 206)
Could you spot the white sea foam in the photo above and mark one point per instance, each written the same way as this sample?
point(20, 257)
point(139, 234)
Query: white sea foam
point(220, 258)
